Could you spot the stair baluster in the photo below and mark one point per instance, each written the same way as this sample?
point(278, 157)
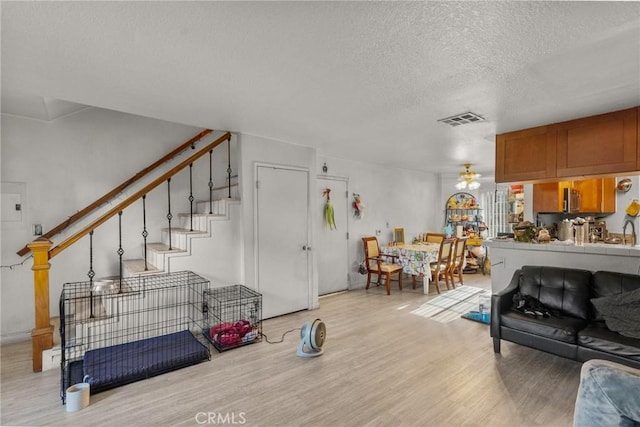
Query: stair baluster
point(210, 182)
point(120, 250)
point(145, 234)
point(91, 275)
point(191, 196)
point(229, 165)
point(169, 216)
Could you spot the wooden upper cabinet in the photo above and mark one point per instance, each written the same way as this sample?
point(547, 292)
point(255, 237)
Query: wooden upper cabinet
point(547, 197)
point(601, 144)
point(597, 195)
point(526, 155)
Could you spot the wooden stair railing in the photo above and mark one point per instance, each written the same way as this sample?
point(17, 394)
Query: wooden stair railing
point(117, 190)
point(136, 196)
point(42, 334)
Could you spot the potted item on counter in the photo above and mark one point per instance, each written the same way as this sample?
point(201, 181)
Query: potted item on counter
point(524, 232)
point(544, 236)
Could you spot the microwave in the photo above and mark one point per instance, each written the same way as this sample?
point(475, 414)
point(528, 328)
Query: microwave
point(571, 200)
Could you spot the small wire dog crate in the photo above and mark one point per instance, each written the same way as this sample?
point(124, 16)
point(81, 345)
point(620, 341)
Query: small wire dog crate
point(233, 317)
point(114, 332)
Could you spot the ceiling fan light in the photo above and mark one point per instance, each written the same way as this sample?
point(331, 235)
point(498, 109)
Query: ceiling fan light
point(467, 179)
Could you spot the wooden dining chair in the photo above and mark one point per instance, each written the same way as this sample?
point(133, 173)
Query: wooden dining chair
point(439, 268)
point(434, 237)
point(457, 260)
point(374, 261)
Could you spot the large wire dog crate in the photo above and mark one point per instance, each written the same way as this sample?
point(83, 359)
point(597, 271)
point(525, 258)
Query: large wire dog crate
point(114, 332)
point(233, 317)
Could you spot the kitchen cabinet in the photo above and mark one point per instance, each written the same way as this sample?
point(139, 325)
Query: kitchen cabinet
point(605, 144)
point(526, 155)
point(596, 145)
point(547, 197)
point(596, 195)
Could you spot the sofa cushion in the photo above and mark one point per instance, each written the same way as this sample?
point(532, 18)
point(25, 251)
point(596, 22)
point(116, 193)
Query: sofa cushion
point(564, 290)
point(607, 283)
point(563, 328)
point(621, 312)
point(597, 336)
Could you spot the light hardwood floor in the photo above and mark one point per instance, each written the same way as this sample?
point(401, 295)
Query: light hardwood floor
point(382, 366)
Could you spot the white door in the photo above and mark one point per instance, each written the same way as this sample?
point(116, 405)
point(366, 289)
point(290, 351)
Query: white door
point(331, 245)
point(282, 240)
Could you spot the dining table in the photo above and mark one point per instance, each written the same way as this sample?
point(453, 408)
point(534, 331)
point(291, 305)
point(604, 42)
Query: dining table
point(415, 259)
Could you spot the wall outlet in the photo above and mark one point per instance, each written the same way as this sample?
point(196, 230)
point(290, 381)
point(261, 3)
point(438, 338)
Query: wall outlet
point(37, 229)
point(378, 232)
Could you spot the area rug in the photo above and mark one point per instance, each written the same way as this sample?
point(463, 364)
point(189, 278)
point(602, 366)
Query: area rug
point(451, 305)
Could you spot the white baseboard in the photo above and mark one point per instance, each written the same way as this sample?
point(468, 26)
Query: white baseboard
point(15, 337)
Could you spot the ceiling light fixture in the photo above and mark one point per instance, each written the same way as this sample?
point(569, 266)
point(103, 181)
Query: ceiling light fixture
point(468, 179)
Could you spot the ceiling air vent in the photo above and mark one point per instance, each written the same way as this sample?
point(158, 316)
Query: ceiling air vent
point(462, 119)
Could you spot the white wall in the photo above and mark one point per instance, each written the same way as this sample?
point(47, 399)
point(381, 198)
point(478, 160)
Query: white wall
point(392, 198)
point(65, 164)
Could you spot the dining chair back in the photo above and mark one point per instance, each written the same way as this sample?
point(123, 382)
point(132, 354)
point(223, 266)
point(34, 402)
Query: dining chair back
point(458, 260)
point(434, 237)
point(375, 264)
point(440, 268)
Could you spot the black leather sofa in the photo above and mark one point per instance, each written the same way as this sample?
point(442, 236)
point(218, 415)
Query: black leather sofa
point(576, 329)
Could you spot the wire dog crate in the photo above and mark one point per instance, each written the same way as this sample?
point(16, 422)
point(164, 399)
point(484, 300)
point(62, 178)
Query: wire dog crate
point(114, 332)
point(233, 317)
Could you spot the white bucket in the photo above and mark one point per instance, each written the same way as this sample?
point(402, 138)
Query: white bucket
point(77, 397)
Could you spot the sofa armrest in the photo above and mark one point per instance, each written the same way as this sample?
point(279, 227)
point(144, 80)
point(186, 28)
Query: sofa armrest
point(502, 301)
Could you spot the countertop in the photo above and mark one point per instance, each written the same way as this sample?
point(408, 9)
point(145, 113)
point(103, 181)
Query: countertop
point(566, 246)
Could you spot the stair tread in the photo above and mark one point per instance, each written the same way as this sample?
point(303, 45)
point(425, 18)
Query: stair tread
point(232, 199)
point(186, 215)
point(163, 247)
point(136, 267)
point(184, 231)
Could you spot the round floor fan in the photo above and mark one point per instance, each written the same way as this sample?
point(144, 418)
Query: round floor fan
point(312, 336)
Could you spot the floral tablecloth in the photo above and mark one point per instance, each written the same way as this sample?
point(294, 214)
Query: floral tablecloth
point(415, 259)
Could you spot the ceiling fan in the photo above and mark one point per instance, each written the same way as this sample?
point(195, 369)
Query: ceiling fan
point(468, 179)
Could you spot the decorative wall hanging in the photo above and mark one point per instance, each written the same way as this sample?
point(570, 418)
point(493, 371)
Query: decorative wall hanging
point(329, 217)
point(358, 206)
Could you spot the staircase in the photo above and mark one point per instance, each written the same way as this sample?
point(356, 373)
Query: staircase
point(195, 227)
point(159, 254)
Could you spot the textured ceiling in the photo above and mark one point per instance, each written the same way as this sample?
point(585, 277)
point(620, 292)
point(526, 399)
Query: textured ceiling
point(359, 80)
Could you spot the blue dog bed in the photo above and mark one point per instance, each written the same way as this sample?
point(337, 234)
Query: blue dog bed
point(121, 364)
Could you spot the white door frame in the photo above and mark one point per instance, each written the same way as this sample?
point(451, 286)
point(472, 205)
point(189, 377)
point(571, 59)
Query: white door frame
point(313, 297)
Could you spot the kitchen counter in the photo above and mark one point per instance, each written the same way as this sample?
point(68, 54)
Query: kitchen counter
point(508, 255)
point(566, 246)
